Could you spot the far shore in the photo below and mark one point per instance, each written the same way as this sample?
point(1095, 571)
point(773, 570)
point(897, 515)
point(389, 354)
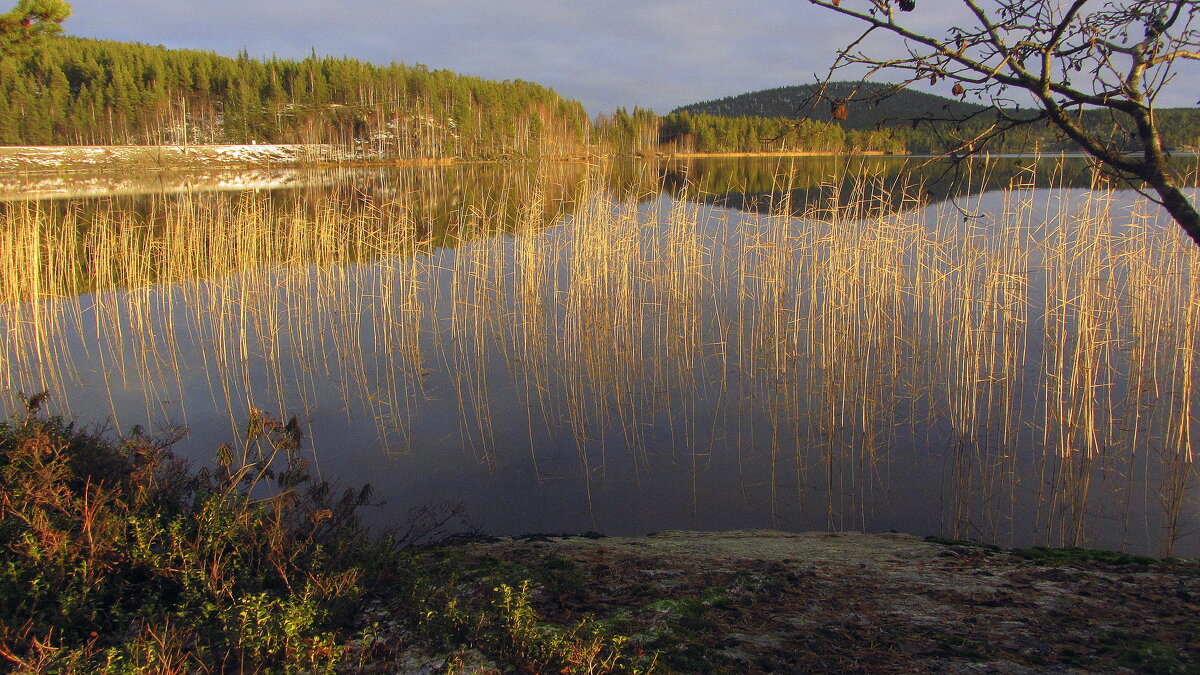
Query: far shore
point(790, 153)
point(152, 159)
point(79, 158)
point(83, 158)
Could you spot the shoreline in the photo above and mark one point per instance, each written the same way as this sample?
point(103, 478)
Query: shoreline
point(231, 578)
point(762, 601)
point(36, 159)
point(796, 153)
point(41, 159)
point(49, 172)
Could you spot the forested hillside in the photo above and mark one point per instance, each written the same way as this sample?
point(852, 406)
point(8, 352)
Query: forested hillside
point(80, 91)
point(868, 105)
point(77, 91)
point(643, 132)
point(89, 92)
point(919, 122)
point(684, 132)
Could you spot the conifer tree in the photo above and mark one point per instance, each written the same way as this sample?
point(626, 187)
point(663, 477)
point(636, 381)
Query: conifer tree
point(21, 26)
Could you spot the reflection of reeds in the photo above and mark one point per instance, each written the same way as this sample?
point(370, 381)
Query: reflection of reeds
point(1040, 344)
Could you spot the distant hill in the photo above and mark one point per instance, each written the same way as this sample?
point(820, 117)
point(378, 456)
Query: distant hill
point(870, 104)
point(874, 105)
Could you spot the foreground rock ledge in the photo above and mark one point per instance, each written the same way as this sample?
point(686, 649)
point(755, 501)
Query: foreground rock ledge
point(765, 601)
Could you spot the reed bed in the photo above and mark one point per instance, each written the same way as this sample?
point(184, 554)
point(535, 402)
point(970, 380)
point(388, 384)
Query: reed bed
point(1031, 352)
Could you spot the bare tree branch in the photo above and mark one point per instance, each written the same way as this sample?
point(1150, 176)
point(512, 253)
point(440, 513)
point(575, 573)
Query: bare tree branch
point(1071, 59)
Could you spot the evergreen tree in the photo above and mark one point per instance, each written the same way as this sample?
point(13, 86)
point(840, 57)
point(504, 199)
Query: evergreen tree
point(30, 20)
point(95, 91)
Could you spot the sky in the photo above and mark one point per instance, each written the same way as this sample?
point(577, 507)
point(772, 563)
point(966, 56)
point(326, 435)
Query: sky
point(657, 54)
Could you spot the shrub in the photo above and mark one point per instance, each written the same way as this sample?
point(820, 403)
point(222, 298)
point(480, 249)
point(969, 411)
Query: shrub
point(115, 556)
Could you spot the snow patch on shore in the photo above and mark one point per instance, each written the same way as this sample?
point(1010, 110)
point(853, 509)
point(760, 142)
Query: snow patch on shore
point(69, 158)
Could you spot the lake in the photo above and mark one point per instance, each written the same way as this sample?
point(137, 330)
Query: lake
point(1003, 352)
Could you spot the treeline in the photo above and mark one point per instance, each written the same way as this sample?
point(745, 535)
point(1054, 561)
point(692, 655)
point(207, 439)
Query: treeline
point(643, 132)
point(685, 132)
point(865, 105)
point(1179, 127)
point(81, 91)
point(75, 91)
point(921, 123)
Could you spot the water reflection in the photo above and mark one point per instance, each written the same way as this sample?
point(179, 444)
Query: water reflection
point(566, 347)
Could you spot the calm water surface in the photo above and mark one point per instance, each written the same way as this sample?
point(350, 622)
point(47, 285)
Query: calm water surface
point(628, 348)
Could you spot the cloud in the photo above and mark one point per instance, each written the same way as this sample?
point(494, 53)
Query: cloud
point(622, 52)
point(654, 53)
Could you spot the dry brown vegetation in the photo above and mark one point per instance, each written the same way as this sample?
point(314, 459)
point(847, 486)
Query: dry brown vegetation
point(1043, 354)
